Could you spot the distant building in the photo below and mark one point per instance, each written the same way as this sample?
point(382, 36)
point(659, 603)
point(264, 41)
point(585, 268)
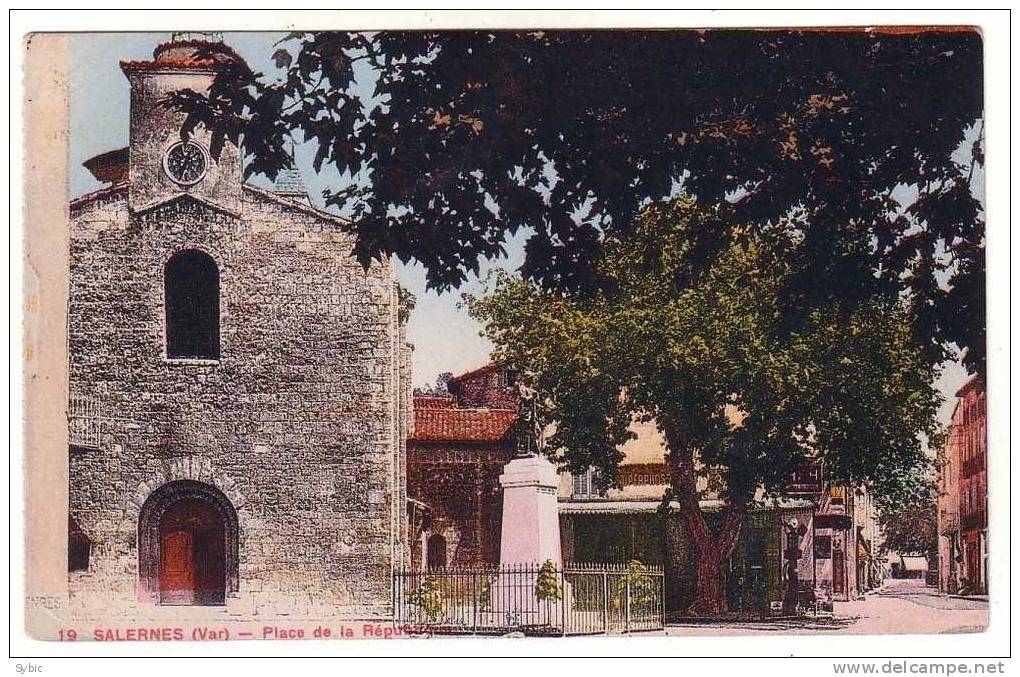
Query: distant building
point(950, 552)
point(907, 566)
point(846, 536)
point(456, 452)
point(871, 568)
point(460, 443)
point(621, 525)
point(963, 495)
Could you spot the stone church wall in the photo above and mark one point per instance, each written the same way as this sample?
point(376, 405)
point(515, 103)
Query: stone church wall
point(300, 424)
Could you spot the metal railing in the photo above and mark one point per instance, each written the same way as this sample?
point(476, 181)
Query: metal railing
point(533, 599)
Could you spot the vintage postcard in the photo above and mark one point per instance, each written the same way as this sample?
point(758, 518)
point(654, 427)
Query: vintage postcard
point(506, 332)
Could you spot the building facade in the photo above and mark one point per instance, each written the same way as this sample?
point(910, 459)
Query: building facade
point(625, 524)
point(963, 495)
point(847, 537)
point(456, 453)
point(238, 383)
point(871, 569)
point(948, 499)
point(815, 544)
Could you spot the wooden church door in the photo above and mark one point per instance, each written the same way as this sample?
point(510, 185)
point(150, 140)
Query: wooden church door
point(192, 556)
point(177, 568)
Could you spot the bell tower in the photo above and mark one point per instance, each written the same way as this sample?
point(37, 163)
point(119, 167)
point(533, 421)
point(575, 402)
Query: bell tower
point(161, 166)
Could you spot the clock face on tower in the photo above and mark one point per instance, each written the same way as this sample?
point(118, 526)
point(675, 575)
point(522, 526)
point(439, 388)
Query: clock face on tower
point(185, 162)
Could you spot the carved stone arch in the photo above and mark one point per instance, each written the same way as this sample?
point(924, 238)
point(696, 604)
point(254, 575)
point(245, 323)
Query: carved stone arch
point(169, 250)
point(194, 467)
point(150, 516)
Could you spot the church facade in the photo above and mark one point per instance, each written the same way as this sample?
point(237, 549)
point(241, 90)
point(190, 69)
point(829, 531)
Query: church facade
point(239, 398)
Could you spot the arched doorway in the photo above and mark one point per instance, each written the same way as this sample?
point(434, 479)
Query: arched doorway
point(435, 552)
point(187, 545)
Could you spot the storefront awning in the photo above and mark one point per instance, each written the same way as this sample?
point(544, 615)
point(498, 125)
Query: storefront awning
point(635, 507)
point(608, 507)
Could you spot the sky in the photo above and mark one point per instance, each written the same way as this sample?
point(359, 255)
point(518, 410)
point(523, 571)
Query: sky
point(445, 338)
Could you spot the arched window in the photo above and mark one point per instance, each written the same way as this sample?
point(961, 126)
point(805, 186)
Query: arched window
point(435, 552)
point(192, 292)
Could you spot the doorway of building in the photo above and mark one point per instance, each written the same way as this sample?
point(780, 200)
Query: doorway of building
point(191, 564)
point(187, 545)
point(435, 552)
point(838, 570)
point(972, 549)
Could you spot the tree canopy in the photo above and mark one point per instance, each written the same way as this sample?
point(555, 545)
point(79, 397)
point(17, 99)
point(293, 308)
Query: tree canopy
point(714, 363)
point(909, 520)
point(469, 136)
point(440, 389)
point(739, 395)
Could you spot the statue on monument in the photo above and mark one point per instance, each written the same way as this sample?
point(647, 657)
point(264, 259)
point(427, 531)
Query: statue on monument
point(530, 532)
point(527, 431)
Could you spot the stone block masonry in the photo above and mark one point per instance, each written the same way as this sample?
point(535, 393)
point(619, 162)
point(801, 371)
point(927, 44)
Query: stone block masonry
point(299, 426)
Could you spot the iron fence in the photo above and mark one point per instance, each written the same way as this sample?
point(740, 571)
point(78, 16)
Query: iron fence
point(575, 599)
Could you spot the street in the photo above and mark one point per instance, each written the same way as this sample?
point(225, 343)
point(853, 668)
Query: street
point(901, 607)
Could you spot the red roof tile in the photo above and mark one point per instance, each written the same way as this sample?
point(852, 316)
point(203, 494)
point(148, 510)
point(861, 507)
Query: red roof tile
point(474, 372)
point(111, 167)
point(169, 64)
point(211, 46)
point(434, 402)
point(461, 425)
point(186, 55)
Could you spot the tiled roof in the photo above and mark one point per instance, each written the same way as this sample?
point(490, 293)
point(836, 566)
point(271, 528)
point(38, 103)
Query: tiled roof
point(213, 46)
point(168, 64)
point(438, 424)
point(474, 372)
point(434, 402)
point(111, 166)
point(88, 198)
point(184, 54)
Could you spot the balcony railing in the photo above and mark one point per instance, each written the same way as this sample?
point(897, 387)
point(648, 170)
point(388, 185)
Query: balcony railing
point(84, 423)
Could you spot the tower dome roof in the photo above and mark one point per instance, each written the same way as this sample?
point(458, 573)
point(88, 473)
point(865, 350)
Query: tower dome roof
point(200, 51)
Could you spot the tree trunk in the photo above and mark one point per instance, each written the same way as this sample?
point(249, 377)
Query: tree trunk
point(712, 547)
point(710, 594)
point(712, 550)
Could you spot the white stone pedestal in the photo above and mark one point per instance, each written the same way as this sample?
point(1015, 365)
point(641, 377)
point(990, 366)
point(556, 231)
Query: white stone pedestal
point(530, 532)
point(529, 538)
